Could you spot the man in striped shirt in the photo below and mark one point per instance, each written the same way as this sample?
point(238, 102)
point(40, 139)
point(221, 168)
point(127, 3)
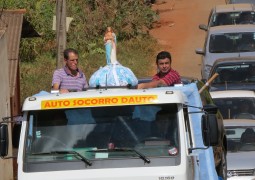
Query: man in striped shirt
point(166, 75)
point(70, 77)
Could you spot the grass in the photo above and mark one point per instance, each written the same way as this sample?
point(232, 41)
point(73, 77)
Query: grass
point(137, 54)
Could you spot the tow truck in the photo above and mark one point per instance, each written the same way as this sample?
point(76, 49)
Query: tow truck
point(120, 133)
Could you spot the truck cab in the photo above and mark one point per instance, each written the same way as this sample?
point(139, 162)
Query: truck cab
point(102, 133)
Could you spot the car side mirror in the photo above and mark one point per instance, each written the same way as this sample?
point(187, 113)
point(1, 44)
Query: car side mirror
point(200, 51)
point(203, 27)
point(3, 140)
point(210, 130)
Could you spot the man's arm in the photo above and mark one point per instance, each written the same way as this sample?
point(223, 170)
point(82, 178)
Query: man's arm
point(152, 84)
point(55, 86)
point(56, 82)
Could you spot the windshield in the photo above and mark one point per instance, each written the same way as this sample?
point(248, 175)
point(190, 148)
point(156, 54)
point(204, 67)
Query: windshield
point(241, 1)
point(229, 18)
point(235, 73)
point(240, 138)
point(232, 42)
point(103, 133)
point(236, 108)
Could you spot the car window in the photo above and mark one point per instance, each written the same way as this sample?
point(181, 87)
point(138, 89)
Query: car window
point(240, 138)
point(240, 1)
point(236, 108)
point(232, 42)
point(229, 18)
point(235, 73)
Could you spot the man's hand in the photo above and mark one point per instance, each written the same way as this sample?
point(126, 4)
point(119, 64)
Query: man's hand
point(141, 86)
point(63, 91)
point(151, 84)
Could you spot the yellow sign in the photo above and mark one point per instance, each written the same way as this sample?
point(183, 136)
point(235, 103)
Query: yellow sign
point(98, 101)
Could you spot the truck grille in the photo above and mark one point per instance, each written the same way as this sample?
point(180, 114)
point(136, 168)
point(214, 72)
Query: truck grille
point(243, 172)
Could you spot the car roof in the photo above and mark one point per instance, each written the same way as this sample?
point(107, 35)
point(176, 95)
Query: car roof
point(239, 1)
point(234, 60)
point(232, 28)
point(234, 7)
point(238, 122)
point(232, 93)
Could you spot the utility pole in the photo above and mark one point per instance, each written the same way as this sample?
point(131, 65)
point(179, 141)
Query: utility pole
point(61, 31)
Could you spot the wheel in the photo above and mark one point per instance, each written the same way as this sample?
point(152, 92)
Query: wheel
point(222, 167)
point(48, 143)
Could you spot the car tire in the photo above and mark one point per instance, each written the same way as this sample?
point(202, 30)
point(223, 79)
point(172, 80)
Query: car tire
point(222, 167)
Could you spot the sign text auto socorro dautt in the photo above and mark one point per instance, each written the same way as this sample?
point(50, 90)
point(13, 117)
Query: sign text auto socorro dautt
point(98, 101)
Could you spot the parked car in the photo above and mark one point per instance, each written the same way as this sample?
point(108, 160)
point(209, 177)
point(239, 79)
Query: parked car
point(240, 1)
point(241, 148)
point(235, 104)
point(228, 14)
point(226, 41)
point(234, 74)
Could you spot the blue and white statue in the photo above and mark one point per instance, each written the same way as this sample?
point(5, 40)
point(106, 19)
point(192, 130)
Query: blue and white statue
point(110, 41)
point(113, 74)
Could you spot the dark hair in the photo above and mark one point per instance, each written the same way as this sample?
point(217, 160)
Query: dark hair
point(163, 55)
point(68, 50)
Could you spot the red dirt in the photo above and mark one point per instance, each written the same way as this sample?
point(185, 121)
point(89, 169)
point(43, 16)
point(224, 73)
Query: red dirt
point(177, 31)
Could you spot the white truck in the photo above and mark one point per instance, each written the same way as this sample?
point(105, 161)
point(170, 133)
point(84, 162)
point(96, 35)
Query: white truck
point(118, 134)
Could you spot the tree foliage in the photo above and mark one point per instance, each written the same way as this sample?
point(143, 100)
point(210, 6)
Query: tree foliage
point(129, 18)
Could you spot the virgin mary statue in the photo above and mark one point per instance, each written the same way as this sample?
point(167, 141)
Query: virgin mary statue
point(113, 74)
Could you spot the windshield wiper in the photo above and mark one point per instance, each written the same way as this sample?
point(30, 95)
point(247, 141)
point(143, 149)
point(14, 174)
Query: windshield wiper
point(66, 152)
point(143, 157)
point(245, 50)
point(219, 51)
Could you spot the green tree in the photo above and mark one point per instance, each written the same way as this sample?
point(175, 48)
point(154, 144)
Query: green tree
point(129, 18)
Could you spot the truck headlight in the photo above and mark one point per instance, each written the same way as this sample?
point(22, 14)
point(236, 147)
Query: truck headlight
point(231, 173)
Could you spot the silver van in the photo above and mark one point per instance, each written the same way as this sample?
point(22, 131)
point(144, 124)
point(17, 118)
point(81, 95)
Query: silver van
point(226, 41)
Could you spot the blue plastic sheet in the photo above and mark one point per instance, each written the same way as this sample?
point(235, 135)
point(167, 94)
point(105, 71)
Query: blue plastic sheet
point(206, 168)
point(113, 75)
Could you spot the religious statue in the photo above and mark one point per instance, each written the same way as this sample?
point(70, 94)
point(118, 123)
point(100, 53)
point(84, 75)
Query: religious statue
point(110, 46)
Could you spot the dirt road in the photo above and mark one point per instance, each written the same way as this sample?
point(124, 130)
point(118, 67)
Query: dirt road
point(179, 32)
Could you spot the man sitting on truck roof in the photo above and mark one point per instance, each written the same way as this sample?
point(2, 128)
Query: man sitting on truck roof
point(166, 75)
point(69, 78)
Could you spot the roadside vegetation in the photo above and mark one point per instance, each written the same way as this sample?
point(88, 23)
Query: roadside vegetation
point(131, 20)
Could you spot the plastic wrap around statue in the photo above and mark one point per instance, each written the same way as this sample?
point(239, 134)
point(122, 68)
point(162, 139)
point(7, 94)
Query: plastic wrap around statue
point(113, 74)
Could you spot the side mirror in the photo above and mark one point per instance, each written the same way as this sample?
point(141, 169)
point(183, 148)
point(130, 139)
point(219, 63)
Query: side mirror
point(203, 27)
point(210, 108)
point(3, 140)
point(16, 135)
point(210, 130)
point(200, 51)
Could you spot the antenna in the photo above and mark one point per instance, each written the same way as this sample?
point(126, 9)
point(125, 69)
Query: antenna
point(106, 81)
